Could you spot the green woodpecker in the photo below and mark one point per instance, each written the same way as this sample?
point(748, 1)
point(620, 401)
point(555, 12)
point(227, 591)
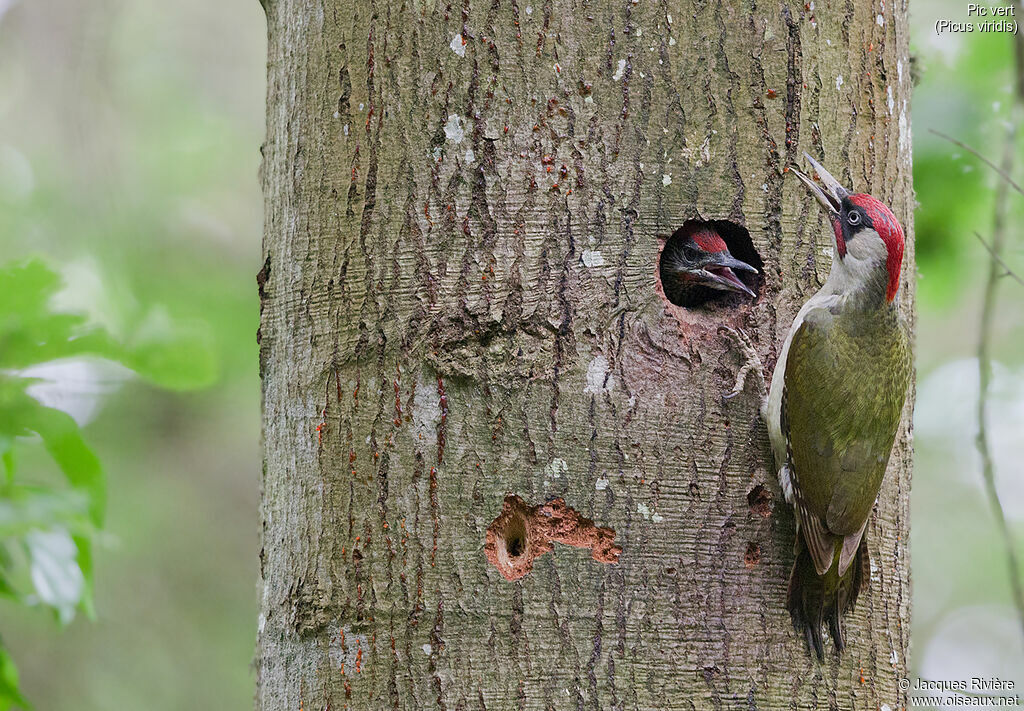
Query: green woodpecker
point(834, 406)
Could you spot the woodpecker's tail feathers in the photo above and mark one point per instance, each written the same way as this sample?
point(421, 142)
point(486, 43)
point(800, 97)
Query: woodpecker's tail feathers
point(815, 599)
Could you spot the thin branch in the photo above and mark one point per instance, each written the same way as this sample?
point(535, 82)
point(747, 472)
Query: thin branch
point(985, 362)
point(995, 255)
point(1002, 173)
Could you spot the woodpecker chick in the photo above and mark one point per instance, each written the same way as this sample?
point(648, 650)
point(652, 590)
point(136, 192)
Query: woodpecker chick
point(699, 265)
point(835, 403)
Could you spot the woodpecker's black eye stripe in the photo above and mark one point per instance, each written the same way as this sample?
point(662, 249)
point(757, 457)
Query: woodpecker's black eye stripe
point(855, 219)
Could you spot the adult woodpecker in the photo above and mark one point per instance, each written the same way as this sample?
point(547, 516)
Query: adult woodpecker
point(835, 403)
point(699, 264)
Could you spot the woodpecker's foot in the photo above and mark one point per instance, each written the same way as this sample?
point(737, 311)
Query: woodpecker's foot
point(751, 361)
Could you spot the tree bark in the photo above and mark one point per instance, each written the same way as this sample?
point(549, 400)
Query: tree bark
point(464, 210)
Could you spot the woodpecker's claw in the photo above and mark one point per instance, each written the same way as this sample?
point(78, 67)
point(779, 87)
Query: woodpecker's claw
point(751, 363)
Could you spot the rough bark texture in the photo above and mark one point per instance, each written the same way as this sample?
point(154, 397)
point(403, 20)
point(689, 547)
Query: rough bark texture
point(460, 301)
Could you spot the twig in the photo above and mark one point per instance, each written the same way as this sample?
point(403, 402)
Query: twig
point(995, 255)
point(1002, 173)
point(985, 363)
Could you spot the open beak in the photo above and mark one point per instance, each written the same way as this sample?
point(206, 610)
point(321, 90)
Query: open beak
point(719, 272)
point(832, 196)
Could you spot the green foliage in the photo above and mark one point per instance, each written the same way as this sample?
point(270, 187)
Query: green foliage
point(9, 693)
point(967, 95)
point(47, 527)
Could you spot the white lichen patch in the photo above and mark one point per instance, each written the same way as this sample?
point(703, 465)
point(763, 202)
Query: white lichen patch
point(426, 410)
point(599, 380)
point(556, 468)
point(458, 45)
point(619, 71)
point(671, 41)
point(666, 179)
point(601, 484)
point(904, 130)
point(880, 20)
point(890, 102)
point(839, 82)
point(657, 517)
point(592, 258)
point(705, 152)
point(428, 650)
point(470, 157)
point(643, 510)
point(453, 130)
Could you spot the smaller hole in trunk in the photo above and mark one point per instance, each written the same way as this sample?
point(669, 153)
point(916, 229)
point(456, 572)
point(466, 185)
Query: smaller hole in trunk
point(514, 546)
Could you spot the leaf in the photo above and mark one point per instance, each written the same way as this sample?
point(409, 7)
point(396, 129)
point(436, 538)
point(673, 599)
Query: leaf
point(23, 509)
point(20, 414)
point(178, 357)
point(10, 693)
point(167, 354)
point(28, 287)
point(56, 576)
point(7, 456)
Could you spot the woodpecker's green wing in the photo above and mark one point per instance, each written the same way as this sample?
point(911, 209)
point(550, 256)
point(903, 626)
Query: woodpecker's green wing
point(845, 382)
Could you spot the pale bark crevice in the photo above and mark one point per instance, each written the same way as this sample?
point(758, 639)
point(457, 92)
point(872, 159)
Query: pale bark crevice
point(460, 301)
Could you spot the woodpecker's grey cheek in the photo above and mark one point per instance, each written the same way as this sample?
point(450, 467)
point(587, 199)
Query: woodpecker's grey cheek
point(868, 247)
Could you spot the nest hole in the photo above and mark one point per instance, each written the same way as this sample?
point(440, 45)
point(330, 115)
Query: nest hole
point(690, 290)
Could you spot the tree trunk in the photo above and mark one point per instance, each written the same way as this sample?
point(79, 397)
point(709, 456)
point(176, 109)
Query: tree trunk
point(465, 206)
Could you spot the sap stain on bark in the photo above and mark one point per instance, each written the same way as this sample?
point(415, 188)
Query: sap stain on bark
point(759, 499)
point(753, 555)
point(521, 533)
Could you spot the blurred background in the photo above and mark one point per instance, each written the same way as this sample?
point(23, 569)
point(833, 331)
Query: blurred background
point(129, 136)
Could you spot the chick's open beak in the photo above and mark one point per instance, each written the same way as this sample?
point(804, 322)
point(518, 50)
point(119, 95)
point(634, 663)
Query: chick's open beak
point(719, 272)
point(832, 196)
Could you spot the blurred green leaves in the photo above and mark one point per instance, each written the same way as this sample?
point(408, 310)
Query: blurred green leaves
point(965, 92)
point(47, 527)
point(31, 333)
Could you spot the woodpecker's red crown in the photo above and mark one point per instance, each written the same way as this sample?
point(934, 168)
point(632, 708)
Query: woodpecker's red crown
point(888, 228)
